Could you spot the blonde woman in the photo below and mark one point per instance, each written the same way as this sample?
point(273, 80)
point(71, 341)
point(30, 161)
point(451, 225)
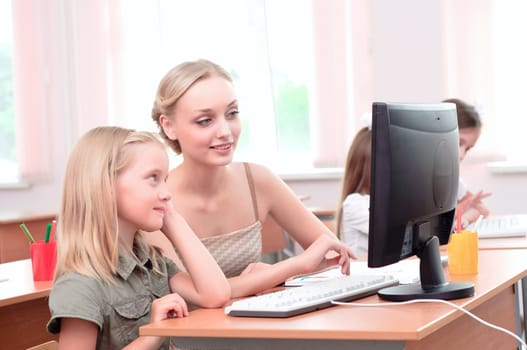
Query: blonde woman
point(109, 281)
point(225, 202)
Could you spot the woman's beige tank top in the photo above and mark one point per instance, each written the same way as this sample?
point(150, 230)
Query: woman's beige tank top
point(234, 251)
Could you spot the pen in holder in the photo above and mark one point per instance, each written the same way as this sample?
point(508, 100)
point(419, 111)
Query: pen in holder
point(463, 253)
point(43, 259)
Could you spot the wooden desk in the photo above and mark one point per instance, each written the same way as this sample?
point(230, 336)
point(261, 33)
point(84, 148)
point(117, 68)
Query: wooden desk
point(13, 243)
point(510, 243)
point(413, 326)
point(24, 310)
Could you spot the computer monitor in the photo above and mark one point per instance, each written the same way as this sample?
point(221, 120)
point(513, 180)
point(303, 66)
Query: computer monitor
point(413, 196)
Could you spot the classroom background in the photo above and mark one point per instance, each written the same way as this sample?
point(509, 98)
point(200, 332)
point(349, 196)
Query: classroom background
point(80, 64)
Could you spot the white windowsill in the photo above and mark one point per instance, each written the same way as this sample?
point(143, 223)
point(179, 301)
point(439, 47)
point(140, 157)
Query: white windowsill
point(14, 185)
point(507, 167)
point(313, 174)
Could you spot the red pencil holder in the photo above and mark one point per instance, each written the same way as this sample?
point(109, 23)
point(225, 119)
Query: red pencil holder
point(43, 259)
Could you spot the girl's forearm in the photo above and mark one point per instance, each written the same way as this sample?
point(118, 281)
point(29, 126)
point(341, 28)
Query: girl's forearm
point(205, 273)
point(201, 267)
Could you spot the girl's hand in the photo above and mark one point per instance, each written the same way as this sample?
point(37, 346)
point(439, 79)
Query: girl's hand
point(174, 225)
point(478, 204)
point(327, 251)
point(168, 306)
point(170, 219)
point(472, 207)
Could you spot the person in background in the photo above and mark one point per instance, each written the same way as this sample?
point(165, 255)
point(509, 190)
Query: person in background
point(353, 212)
point(108, 280)
point(353, 209)
point(469, 125)
point(226, 202)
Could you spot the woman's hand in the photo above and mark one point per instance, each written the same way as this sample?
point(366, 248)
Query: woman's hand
point(325, 252)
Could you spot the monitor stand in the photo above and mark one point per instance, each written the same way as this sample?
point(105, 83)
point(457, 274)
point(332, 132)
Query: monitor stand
point(433, 284)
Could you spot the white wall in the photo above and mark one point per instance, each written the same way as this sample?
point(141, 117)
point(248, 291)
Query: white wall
point(421, 69)
point(509, 190)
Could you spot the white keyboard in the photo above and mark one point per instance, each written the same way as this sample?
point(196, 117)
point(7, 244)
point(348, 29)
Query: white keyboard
point(298, 300)
point(500, 226)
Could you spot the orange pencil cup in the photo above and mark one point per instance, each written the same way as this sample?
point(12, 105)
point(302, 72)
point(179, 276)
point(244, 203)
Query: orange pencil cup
point(463, 253)
point(43, 259)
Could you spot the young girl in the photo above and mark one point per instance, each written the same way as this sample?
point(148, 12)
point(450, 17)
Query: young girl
point(353, 212)
point(469, 125)
point(108, 280)
point(226, 202)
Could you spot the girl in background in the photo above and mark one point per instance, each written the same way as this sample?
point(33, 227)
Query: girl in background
point(226, 202)
point(353, 213)
point(108, 280)
point(469, 126)
point(353, 209)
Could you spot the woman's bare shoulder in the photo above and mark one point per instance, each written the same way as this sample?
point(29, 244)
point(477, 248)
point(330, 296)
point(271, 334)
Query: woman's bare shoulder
point(261, 172)
point(268, 184)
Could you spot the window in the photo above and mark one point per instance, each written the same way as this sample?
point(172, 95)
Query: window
point(486, 57)
point(94, 64)
point(7, 119)
point(510, 75)
point(251, 39)
point(291, 77)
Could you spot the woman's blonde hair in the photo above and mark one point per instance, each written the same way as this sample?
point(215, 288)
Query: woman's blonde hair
point(87, 225)
point(357, 170)
point(174, 85)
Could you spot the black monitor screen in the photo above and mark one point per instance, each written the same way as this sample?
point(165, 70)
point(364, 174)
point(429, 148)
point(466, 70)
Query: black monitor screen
point(414, 184)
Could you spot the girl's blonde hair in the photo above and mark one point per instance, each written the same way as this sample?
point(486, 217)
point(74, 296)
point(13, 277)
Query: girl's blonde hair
point(174, 85)
point(357, 170)
point(87, 225)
